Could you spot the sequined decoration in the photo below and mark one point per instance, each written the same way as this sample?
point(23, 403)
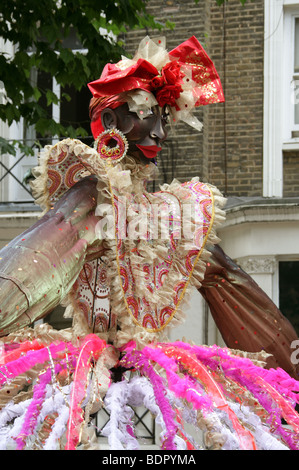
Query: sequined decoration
point(155, 275)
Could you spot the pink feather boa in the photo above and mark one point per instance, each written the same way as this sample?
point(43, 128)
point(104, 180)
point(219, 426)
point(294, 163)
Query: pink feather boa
point(90, 351)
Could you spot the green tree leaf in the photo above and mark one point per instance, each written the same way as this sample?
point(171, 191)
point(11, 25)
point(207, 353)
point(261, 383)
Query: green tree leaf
point(51, 97)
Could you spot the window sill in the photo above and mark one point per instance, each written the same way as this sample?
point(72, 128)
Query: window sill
point(289, 145)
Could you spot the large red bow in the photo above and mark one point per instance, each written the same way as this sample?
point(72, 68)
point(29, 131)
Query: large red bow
point(167, 83)
point(208, 88)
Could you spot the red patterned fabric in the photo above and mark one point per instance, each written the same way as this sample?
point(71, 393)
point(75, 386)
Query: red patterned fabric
point(63, 173)
point(177, 258)
point(208, 89)
point(92, 293)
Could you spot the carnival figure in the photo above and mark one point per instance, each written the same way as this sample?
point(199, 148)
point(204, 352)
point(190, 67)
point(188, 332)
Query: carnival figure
point(123, 262)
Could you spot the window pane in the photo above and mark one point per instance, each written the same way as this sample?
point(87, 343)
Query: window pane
point(75, 112)
point(289, 291)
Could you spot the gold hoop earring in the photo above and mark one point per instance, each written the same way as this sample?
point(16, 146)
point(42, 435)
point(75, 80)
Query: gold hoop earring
point(115, 153)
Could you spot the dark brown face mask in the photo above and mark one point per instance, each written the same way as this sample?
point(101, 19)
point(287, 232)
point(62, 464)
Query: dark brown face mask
point(145, 136)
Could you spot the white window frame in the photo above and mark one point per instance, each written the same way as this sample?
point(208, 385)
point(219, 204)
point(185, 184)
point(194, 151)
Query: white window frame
point(291, 80)
point(278, 104)
point(273, 79)
point(29, 133)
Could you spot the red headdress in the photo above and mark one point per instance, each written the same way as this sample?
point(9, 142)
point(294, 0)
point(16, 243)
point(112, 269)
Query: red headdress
point(182, 79)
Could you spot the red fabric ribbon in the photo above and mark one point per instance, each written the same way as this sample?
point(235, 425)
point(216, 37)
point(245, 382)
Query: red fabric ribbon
point(208, 88)
point(166, 84)
point(114, 80)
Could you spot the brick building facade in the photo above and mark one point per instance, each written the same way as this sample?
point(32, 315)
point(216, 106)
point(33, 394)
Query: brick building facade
point(229, 151)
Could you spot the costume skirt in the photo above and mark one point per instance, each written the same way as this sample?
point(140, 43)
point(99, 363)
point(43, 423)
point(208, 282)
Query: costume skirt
point(200, 397)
